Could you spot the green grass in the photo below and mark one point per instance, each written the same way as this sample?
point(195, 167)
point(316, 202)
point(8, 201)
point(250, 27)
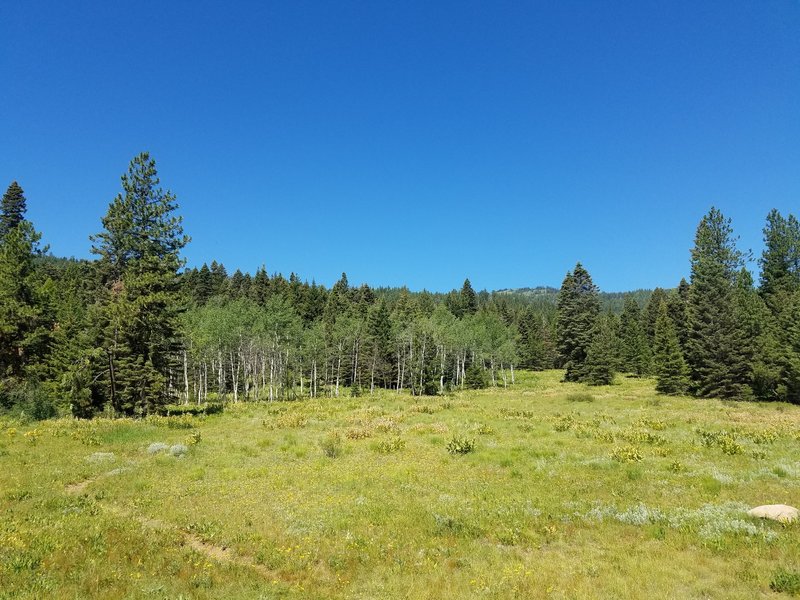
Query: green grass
point(629, 495)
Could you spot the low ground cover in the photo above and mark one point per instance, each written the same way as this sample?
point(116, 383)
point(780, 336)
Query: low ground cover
point(565, 492)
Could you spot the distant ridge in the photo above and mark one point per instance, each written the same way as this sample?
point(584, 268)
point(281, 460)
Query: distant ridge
point(608, 300)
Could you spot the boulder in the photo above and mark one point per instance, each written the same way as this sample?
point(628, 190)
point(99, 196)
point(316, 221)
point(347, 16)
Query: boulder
point(776, 512)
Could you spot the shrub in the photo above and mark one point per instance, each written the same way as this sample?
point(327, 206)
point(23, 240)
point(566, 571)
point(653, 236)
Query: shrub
point(30, 401)
point(484, 429)
point(725, 440)
point(290, 420)
point(564, 422)
point(357, 433)
point(386, 425)
point(626, 454)
point(475, 377)
point(331, 445)
point(207, 408)
point(391, 445)
point(157, 447)
point(178, 449)
point(460, 445)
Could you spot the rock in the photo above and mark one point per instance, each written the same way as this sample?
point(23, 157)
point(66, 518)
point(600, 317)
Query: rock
point(178, 450)
point(101, 457)
point(776, 512)
point(156, 447)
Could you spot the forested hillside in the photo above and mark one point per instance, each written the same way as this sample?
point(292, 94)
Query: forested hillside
point(133, 330)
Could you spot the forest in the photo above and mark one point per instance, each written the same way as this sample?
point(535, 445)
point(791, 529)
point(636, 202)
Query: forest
point(134, 332)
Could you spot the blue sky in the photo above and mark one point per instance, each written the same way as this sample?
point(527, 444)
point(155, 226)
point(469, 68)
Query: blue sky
point(411, 143)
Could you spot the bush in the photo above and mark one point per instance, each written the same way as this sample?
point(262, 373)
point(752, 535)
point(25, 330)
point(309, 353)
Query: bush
point(460, 445)
point(391, 445)
point(626, 454)
point(207, 408)
point(28, 401)
point(475, 377)
point(332, 445)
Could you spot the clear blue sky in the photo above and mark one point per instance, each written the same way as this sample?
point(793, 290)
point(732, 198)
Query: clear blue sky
point(411, 142)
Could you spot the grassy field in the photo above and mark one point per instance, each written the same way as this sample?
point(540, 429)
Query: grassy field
point(569, 492)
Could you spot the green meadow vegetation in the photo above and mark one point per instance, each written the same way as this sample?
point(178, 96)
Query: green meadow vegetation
point(542, 489)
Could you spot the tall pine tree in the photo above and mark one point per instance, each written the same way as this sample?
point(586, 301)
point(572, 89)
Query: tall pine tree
point(578, 307)
point(139, 252)
point(717, 344)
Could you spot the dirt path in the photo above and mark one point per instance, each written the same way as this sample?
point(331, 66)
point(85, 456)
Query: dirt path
point(220, 554)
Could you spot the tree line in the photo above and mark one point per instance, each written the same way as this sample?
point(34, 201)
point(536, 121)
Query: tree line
point(133, 330)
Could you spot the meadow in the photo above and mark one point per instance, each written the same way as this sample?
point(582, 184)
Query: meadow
point(538, 490)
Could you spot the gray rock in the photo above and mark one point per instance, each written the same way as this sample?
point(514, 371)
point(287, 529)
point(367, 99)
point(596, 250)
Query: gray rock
point(776, 512)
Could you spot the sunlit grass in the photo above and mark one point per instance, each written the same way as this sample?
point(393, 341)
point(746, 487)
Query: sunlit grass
point(568, 492)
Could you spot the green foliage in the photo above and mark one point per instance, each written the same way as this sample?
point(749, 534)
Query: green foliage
point(598, 368)
point(139, 253)
point(724, 440)
point(580, 397)
point(28, 401)
point(719, 351)
point(391, 445)
point(475, 378)
point(207, 408)
point(626, 454)
point(785, 581)
point(635, 357)
point(578, 309)
point(671, 370)
point(332, 445)
point(12, 209)
point(460, 445)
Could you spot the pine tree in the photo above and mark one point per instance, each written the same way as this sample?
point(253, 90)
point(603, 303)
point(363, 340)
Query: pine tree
point(139, 259)
point(12, 209)
point(717, 344)
point(23, 328)
point(635, 350)
point(578, 307)
point(671, 370)
point(780, 261)
point(650, 313)
point(469, 300)
point(677, 308)
point(601, 356)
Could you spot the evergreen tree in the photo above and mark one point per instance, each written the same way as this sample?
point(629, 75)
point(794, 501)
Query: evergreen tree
point(578, 307)
point(260, 288)
point(380, 343)
point(671, 370)
point(717, 344)
point(139, 253)
point(780, 261)
point(634, 347)
point(12, 209)
point(600, 357)
point(23, 327)
point(677, 308)
point(650, 314)
point(469, 300)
